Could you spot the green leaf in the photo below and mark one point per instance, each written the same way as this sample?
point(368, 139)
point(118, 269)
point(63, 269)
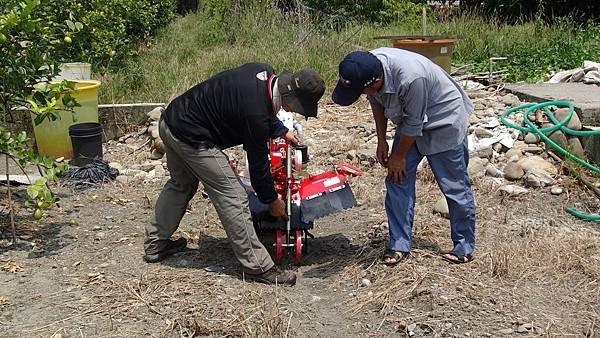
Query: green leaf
point(70, 24)
point(33, 191)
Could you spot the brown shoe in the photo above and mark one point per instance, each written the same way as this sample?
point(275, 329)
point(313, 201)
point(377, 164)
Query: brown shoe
point(274, 276)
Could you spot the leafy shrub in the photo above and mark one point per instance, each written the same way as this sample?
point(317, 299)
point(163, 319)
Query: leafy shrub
point(512, 10)
point(382, 11)
point(400, 10)
point(30, 49)
point(109, 28)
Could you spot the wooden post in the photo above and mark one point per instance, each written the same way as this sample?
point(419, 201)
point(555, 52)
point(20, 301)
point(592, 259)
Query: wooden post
point(424, 21)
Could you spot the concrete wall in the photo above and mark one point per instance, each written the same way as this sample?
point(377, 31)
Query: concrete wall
point(116, 119)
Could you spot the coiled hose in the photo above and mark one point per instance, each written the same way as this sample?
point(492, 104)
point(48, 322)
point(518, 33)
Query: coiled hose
point(558, 125)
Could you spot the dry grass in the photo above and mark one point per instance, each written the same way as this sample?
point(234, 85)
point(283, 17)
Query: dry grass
point(193, 303)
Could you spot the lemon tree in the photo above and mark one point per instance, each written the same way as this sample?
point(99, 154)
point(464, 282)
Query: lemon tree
point(30, 49)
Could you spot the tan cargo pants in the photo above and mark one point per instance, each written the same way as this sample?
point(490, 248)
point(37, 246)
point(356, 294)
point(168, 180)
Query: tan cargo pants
point(189, 166)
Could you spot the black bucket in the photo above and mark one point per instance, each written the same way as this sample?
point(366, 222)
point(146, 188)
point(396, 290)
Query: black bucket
point(86, 139)
point(304, 150)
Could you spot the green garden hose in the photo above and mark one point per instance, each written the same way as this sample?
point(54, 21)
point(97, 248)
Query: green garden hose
point(558, 125)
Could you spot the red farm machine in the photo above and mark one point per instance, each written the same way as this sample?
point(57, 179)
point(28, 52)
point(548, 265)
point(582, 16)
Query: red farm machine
point(307, 198)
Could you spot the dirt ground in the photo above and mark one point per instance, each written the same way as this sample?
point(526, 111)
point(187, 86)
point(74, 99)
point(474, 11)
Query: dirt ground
point(536, 272)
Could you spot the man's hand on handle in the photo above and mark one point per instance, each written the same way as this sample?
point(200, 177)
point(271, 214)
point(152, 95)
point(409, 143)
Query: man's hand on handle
point(291, 137)
point(277, 209)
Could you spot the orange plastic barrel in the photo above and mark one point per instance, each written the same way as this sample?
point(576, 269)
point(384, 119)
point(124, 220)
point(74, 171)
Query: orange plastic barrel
point(436, 48)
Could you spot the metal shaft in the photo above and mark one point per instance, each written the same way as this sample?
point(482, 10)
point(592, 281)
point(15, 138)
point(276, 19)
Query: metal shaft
point(289, 190)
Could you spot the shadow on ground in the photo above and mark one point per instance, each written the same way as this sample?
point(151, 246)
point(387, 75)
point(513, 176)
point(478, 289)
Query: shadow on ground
point(326, 256)
point(38, 241)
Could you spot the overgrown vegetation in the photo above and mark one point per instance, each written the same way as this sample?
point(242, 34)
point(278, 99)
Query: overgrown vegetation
point(107, 31)
point(515, 10)
point(31, 48)
point(198, 46)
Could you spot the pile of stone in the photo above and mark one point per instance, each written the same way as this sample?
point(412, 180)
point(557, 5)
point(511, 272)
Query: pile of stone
point(588, 73)
point(149, 171)
point(146, 137)
point(157, 146)
point(514, 161)
point(519, 159)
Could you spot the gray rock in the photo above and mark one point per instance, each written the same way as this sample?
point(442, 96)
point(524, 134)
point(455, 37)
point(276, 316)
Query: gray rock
point(577, 76)
point(477, 167)
point(510, 100)
point(485, 152)
point(144, 167)
point(473, 119)
point(154, 132)
point(532, 138)
point(159, 145)
point(156, 155)
point(351, 155)
point(498, 147)
point(159, 171)
point(520, 145)
point(151, 175)
point(524, 328)
point(556, 191)
point(477, 94)
point(154, 114)
point(130, 172)
point(513, 171)
point(536, 162)
point(367, 155)
point(116, 165)
point(441, 207)
point(558, 137)
point(492, 171)
point(512, 190)
point(574, 122)
point(533, 150)
point(123, 179)
point(537, 178)
point(490, 112)
point(483, 133)
point(510, 153)
point(479, 106)
point(140, 176)
point(575, 147)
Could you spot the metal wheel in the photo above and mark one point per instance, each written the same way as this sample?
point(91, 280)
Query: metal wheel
point(279, 236)
point(298, 245)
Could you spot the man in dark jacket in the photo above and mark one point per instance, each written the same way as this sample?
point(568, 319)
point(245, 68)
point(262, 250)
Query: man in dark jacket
point(237, 106)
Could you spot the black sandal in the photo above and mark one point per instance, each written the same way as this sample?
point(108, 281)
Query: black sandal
point(397, 256)
point(460, 259)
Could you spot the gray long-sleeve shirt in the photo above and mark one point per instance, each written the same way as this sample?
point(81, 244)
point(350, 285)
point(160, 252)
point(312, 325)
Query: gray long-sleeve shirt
point(422, 100)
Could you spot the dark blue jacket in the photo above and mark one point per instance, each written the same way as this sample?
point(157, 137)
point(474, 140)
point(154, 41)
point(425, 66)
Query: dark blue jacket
point(229, 109)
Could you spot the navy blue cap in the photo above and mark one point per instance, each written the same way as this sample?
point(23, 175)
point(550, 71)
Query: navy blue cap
point(358, 71)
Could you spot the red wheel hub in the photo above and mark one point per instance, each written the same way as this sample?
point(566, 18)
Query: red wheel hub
point(298, 245)
point(279, 239)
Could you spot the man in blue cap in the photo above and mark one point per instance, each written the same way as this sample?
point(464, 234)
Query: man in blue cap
point(431, 114)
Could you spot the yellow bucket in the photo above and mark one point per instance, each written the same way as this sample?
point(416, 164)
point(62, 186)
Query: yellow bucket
point(52, 137)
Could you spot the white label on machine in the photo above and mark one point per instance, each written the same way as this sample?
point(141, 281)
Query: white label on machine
point(444, 50)
point(331, 181)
